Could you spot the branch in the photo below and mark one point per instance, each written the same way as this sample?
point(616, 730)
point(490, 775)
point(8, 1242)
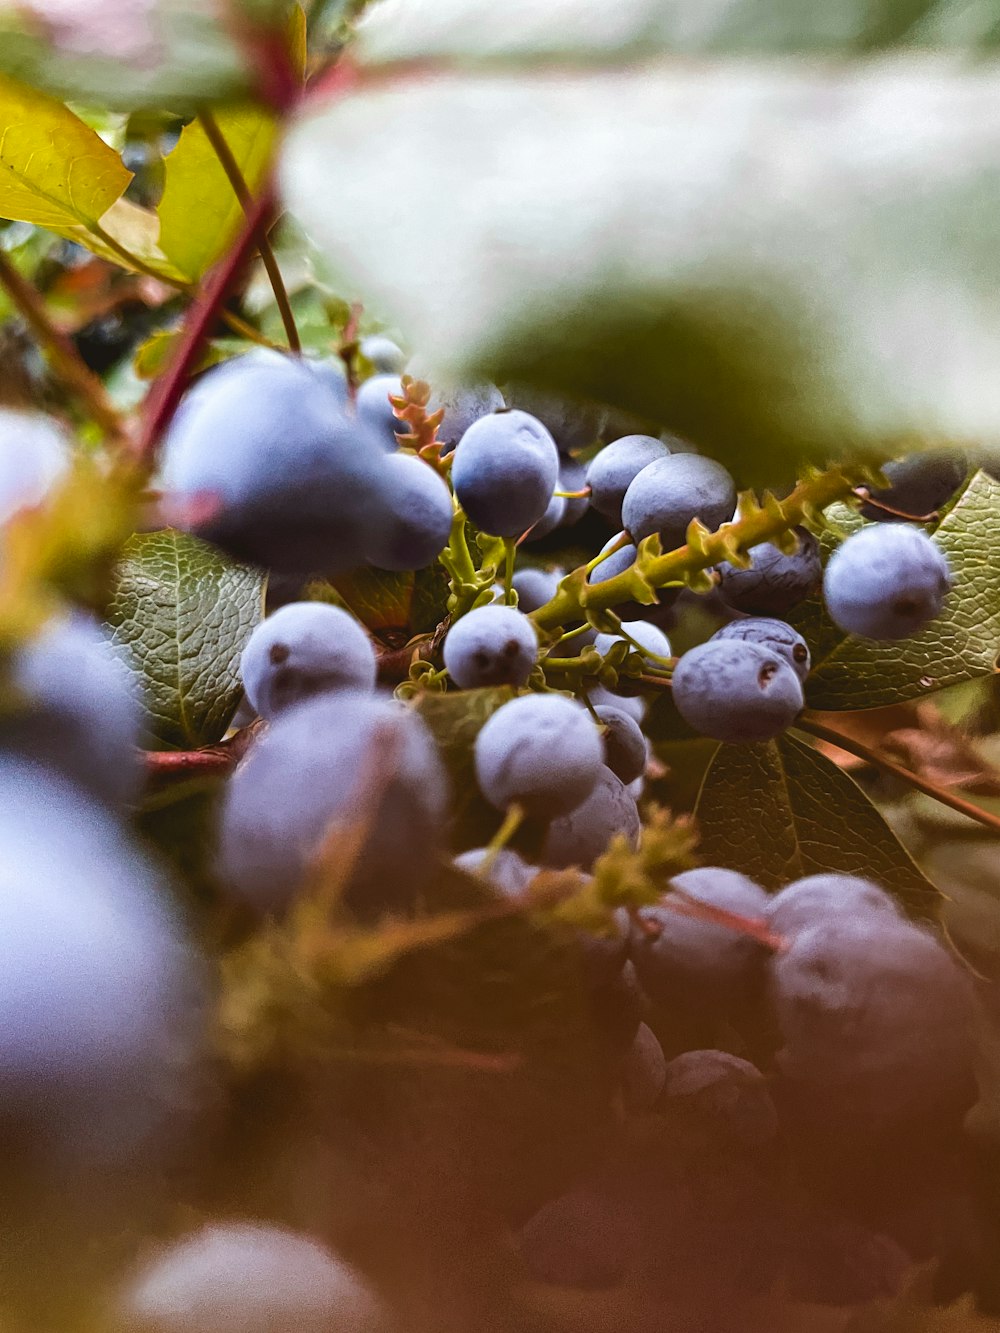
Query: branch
point(807, 722)
point(66, 360)
point(242, 191)
point(638, 583)
point(201, 318)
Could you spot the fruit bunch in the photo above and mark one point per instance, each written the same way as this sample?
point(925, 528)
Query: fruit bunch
point(440, 948)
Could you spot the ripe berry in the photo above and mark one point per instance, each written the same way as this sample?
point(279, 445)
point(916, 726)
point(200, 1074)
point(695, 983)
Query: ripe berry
point(886, 582)
point(736, 691)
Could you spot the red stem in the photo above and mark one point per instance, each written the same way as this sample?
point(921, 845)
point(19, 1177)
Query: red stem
point(168, 390)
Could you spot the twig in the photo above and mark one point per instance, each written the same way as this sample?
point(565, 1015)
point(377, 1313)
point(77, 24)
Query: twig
point(169, 388)
point(806, 722)
point(242, 191)
point(66, 360)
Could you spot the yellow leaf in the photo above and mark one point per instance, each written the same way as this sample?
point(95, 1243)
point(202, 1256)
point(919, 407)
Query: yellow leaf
point(55, 171)
point(200, 213)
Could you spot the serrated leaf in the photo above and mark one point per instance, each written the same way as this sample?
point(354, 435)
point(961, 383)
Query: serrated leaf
point(455, 720)
point(825, 301)
point(961, 644)
point(199, 212)
point(425, 29)
point(182, 615)
point(55, 171)
point(381, 599)
point(782, 810)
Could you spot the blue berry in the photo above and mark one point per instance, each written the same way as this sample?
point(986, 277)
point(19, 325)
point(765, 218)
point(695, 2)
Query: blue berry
point(876, 1020)
point(736, 691)
point(78, 709)
point(694, 964)
point(728, 1098)
point(492, 645)
point(249, 1277)
point(305, 649)
point(554, 517)
point(332, 761)
point(773, 636)
point(535, 587)
point(582, 834)
point(624, 743)
point(293, 479)
point(601, 697)
point(774, 582)
point(918, 485)
point(649, 637)
point(668, 493)
point(810, 901)
point(541, 751)
point(374, 409)
point(34, 454)
point(613, 470)
point(505, 871)
point(505, 470)
point(386, 356)
point(412, 525)
point(102, 1002)
point(886, 582)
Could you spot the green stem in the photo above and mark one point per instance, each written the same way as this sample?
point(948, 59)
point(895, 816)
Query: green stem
point(510, 552)
point(637, 583)
point(808, 723)
point(242, 191)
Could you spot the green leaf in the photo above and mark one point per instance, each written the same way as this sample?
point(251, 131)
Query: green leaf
point(782, 810)
point(455, 720)
point(425, 29)
point(381, 599)
point(742, 272)
point(168, 54)
point(199, 212)
point(55, 171)
point(963, 643)
point(182, 614)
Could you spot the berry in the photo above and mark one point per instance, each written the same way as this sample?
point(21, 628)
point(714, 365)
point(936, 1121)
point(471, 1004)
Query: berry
point(463, 407)
point(644, 1073)
point(506, 871)
point(613, 470)
point(624, 743)
point(772, 635)
point(724, 1095)
point(505, 470)
point(78, 709)
point(386, 356)
point(292, 480)
point(875, 1016)
point(580, 1240)
point(374, 409)
point(305, 649)
point(101, 1000)
point(653, 640)
point(886, 582)
point(492, 645)
point(601, 697)
point(701, 966)
point(535, 587)
point(736, 691)
point(668, 493)
point(809, 901)
point(541, 751)
point(242, 1277)
point(337, 759)
point(413, 523)
point(580, 836)
point(774, 582)
point(554, 517)
point(34, 453)
point(918, 485)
